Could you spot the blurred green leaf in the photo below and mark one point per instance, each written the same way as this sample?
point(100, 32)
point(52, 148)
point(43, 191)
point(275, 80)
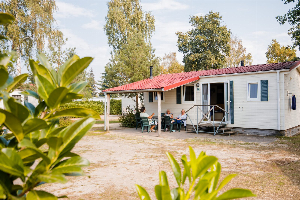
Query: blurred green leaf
point(75, 112)
point(41, 71)
point(52, 178)
point(74, 70)
point(56, 96)
point(65, 66)
point(31, 93)
point(10, 163)
point(44, 61)
point(143, 194)
point(235, 194)
point(206, 163)
point(71, 96)
point(77, 87)
point(6, 18)
point(2, 118)
point(13, 124)
point(20, 111)
point(3, 76)
point(30, 107)
point(26, 143)
point(40, 195)
point(73, 133)
point(40, 108)
point(17, 80)
point(34, 124)
point(175, 167)
point(71, 165)
point(44, 87)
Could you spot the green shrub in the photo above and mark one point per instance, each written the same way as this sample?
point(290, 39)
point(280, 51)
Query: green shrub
point(128, 120)
point(98, 106)
point(202, 173)
point(65, 121)
point(115, 107)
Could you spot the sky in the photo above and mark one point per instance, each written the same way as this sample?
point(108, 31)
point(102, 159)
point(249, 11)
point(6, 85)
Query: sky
point(252, 21)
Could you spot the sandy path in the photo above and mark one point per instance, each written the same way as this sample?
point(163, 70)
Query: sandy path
point(121, 159)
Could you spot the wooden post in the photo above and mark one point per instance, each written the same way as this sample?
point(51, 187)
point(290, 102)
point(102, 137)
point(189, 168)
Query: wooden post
point(159, 112)
point(137, 102)
point(107, 111)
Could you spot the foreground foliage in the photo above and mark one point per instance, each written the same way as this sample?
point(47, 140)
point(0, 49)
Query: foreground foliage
point(36, 150)
point(203, 183)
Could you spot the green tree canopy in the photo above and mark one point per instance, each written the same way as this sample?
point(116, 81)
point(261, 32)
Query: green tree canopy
point(206, 45)
point(129, 31)
point(277, 53)
point(292, 17)
point(32, 30)
point(237, 54)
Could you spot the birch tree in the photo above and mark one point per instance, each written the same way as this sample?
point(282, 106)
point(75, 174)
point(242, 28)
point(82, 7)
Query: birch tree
point(129, 30)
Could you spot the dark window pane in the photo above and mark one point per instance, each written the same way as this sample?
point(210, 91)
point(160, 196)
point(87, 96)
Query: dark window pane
point(189, 93)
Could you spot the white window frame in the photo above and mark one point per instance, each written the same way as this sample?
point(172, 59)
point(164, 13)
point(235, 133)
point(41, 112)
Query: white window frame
point(155, 100)
point(258, 91)
point(183, 94)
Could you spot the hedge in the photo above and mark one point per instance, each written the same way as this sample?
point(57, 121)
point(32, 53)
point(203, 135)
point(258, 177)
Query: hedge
point(98, 106)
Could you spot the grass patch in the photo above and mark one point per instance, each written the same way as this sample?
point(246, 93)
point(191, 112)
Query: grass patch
point(102, 122)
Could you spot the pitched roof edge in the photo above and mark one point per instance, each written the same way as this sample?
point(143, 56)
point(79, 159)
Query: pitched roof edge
point(169, 87)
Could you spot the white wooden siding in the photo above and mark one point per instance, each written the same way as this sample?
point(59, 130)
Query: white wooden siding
point(247, 114)
point(292, 85)
point(251, 114)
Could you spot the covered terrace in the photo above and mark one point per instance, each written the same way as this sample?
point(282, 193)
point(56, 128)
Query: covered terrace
point(157, 84)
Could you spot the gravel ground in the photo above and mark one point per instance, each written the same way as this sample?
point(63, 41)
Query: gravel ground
point(125, 157)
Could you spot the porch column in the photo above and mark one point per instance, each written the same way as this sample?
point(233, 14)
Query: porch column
point(105, 99)
point(137, 102)
point(159, 112)
point(107, 111)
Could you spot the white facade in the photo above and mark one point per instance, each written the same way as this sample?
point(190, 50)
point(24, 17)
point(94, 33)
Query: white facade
point(21, 98)
point(249, 110)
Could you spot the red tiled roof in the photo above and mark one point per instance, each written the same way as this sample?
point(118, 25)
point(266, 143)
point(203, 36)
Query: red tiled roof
point(170, 81)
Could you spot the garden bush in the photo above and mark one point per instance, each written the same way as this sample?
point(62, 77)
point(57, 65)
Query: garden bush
point(128, 120)
point(98, 106)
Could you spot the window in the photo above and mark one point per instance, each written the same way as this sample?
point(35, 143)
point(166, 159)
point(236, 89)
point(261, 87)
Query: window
point(17, 97)
point(155, 96)
point(188, 93)
point(253, 91)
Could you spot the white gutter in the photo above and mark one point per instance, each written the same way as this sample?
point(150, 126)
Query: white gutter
point(278, 100)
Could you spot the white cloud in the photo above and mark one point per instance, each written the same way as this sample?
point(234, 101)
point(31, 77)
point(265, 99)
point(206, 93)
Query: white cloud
point(66, 10)
point(257, 43)
point(101, 54)
point(93, 25)
point(165, 5)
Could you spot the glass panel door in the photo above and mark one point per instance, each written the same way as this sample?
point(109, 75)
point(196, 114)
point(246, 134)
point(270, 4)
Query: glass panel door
point(204, 98)
point(226, 100)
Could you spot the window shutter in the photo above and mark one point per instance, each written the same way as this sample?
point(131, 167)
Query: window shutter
point(178, 95)
point(264, 90)
point(150, 96)
point(231, 102)
point(162, 96)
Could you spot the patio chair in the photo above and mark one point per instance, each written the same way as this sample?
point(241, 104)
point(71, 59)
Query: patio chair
point(138, 120)
point(145, 123)
point(168, 123)
point(179, 124)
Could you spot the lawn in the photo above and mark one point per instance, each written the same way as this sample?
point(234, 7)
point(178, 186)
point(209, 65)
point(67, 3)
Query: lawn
point(111, 122)
point(125, 157)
